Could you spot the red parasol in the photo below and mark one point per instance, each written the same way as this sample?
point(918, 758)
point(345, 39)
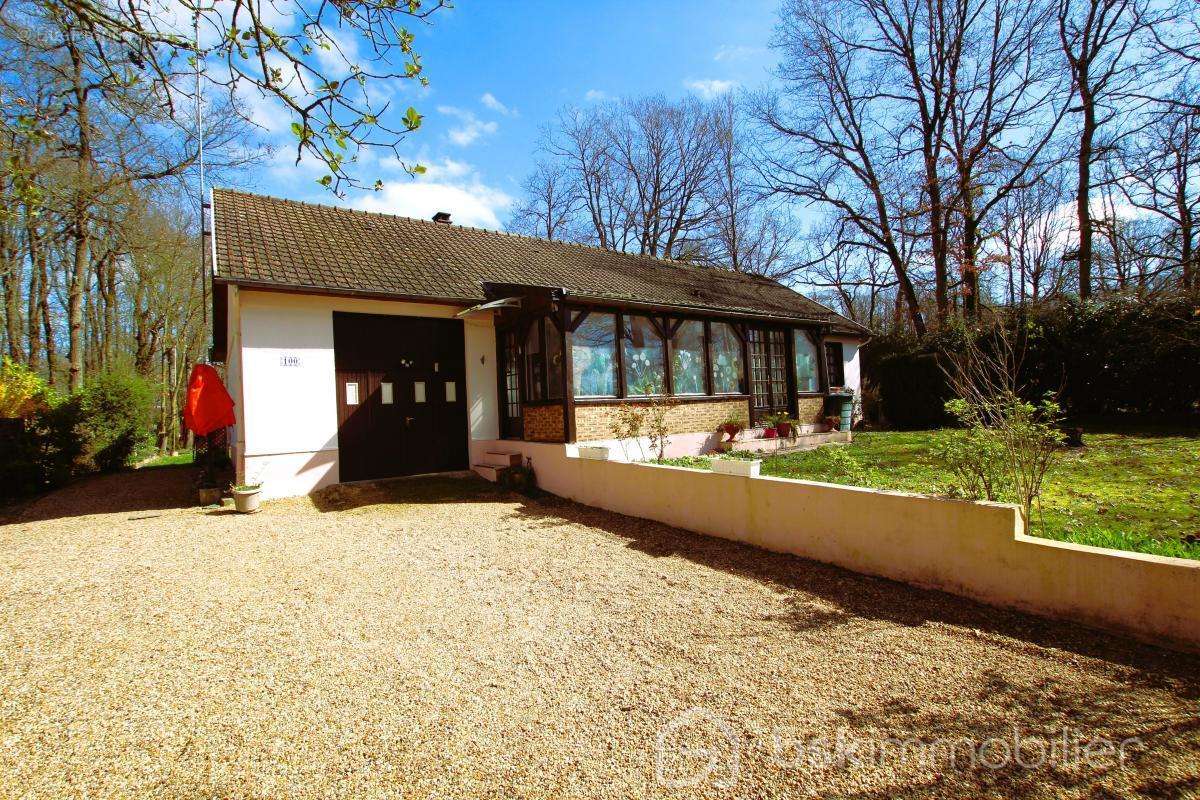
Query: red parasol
point(209, 406)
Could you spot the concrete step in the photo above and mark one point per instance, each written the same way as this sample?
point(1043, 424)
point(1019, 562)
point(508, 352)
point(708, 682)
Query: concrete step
point(495, 458)
point(489, 472)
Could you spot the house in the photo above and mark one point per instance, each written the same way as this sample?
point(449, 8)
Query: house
point(361, 346)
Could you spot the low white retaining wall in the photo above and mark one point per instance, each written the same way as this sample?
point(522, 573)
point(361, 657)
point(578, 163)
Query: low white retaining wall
point(977, 550)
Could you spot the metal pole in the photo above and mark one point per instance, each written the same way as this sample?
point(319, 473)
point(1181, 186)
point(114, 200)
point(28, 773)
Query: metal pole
point(200, 159)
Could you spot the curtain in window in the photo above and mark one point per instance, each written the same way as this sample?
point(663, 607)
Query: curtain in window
point(687, 358)
point(644, 355)
point(726, 360)
point(807, 378)
point(594, 356)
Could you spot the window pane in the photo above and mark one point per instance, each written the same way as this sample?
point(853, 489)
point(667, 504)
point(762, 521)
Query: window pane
point(385, 393)
point(645, 371)
point(806, 363)
point(554, 361)
point(535, 362)
point(418, 391)
point(687, 358)
point(594, 356)
point(351, 394)
point(451, 392)
point(726, 360)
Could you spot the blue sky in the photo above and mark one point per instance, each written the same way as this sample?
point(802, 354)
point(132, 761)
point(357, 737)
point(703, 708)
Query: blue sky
point(499, 71)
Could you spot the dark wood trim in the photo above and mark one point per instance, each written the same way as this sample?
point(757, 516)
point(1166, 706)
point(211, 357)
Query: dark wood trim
point(684, 310)
point(706, 335)
point(789, 357)
point(668, 399)
point(324, 291)
point(620, 354)
point(577, 320)
point(564, 332)
point(668, 369)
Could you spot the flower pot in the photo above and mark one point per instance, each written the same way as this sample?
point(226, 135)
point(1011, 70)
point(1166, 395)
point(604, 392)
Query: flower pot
point(246, 500)
point(783, 430)
point(731, 431)
point(770, 433)
point(594, 452)
point(737, 466)
point(209, 495)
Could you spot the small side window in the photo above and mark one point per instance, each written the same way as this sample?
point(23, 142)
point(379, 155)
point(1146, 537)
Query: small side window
point(385, 393)
point(451, 392)
point(418, 391)
point(351, 393)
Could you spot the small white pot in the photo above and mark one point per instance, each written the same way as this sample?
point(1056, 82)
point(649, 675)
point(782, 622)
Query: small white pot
point(737, 466)
point(246, 500)
point(593, 452)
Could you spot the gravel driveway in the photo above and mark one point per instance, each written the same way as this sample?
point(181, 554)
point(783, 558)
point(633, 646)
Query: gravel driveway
point(435, 638)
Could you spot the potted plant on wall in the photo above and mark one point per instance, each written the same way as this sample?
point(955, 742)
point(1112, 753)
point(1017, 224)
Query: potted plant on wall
point(732, 426)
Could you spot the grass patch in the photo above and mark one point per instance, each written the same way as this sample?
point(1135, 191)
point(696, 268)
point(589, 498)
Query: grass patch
point(1125, 490)
point(182, 457)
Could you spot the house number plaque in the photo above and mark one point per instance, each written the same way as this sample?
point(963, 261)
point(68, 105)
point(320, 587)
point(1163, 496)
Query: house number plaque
point(290, 361)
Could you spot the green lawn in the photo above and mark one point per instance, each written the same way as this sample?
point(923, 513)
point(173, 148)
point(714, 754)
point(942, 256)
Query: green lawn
point(1124, 490)
point(182, 457)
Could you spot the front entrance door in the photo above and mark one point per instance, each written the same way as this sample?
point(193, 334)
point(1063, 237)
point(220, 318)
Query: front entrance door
point(401, 395)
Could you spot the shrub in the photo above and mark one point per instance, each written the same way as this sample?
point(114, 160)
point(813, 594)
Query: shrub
point(974, 456)
point(46, 453)
point(1116, 355)
point(117, 413)
point(22, 392)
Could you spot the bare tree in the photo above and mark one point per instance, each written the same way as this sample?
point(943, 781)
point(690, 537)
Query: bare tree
point(856, 125)
point(1160, 174)
point(1101, 40)
point(550, 203)
point(750, 232)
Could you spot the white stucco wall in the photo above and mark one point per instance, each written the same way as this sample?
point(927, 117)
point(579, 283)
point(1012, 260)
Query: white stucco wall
point(287, 432)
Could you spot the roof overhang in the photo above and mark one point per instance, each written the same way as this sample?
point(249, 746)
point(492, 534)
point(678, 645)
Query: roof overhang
point(491, 305)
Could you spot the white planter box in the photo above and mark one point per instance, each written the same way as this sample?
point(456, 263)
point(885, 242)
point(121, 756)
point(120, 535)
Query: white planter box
point(596, 453)
point(737, 466)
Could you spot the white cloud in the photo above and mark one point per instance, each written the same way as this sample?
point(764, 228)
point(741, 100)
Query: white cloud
point(490, 101)
point(709, 88)
point(595, 95)
point(470, 127)
point(446, 185)
point(342, 52)
point(735, 52)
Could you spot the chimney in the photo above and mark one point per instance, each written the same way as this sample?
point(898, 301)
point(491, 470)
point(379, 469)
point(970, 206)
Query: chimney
point(442, 217)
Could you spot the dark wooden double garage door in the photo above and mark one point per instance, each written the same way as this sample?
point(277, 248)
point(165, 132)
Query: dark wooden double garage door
point(402, 406)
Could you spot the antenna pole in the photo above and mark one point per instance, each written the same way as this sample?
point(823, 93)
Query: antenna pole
point(200, 159)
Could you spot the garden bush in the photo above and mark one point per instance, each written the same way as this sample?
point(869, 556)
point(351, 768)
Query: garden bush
point(117, 417)
point(102, 427)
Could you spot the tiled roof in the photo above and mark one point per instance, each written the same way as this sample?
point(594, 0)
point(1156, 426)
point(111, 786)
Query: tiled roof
point(265, 240)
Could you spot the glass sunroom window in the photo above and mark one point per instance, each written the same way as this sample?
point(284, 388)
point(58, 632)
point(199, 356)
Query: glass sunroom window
point(807, 378)
point(594, 356)
point(726, 360)
point(644, 355)
point(687, 358)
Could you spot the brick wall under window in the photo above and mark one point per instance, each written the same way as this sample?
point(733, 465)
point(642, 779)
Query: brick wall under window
point(544, 423)
point(595, 421)
point(811, 409)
